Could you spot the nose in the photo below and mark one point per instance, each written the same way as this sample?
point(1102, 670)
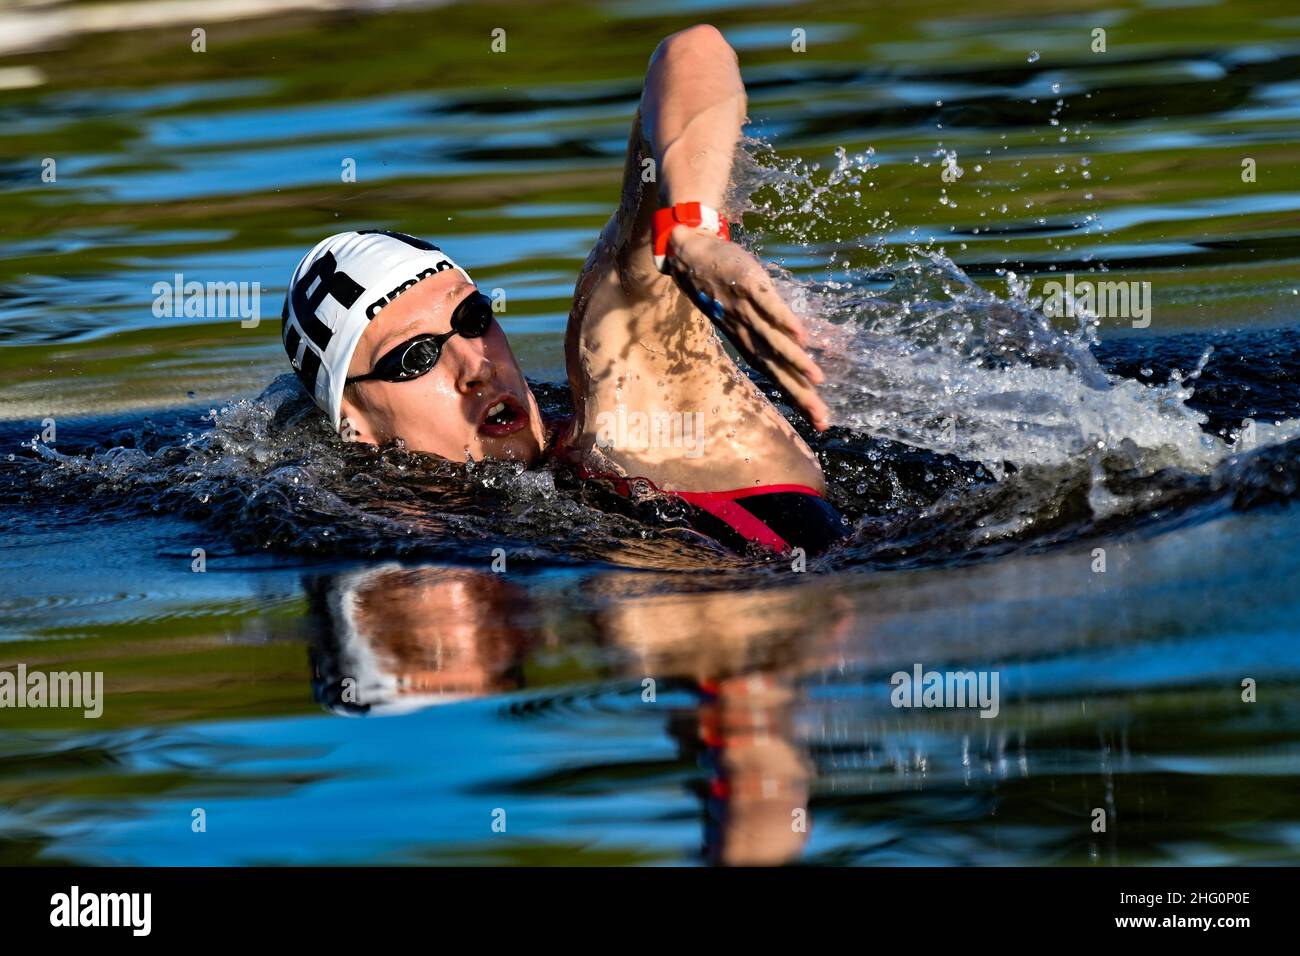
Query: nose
point(474, 370)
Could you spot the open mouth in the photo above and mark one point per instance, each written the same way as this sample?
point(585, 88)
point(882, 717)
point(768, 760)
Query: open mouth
point(504, 416)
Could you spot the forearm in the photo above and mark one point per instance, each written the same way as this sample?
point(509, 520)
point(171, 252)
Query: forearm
point(692, 110)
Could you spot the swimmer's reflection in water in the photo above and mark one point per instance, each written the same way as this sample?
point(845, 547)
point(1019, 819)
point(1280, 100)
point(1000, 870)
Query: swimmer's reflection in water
point(393, 639)
point(410, 638)
point(758, 775)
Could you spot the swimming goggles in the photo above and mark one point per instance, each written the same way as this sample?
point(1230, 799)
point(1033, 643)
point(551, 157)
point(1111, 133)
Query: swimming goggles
point(417, 356)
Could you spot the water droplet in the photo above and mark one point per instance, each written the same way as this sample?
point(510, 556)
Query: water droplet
point(1033, 57)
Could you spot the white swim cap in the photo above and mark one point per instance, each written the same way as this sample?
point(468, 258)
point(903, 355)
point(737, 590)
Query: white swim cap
point(336, 290)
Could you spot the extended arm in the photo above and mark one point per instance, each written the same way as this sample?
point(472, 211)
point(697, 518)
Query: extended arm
point(692, 109)
point(641, 343)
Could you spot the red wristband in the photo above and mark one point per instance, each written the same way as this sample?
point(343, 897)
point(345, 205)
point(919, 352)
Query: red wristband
point(694, 215)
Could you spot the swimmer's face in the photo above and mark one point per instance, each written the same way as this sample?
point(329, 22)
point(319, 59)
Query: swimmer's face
point(474, 401)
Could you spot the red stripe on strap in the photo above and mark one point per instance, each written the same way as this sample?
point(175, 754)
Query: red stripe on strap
point(743, 522)
point(721, 504)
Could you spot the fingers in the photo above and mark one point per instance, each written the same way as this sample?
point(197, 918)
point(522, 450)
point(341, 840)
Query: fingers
point(803, 397)
point(752, 282)
point(762, 293)
point(736, 275)
point(786, 336)
point(782, 346)
point(789, 366)
point(739, 295)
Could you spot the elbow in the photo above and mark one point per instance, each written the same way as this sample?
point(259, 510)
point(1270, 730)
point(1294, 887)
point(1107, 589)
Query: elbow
point(701, 39)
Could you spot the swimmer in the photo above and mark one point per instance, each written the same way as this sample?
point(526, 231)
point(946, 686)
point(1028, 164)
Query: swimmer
point(393, 340)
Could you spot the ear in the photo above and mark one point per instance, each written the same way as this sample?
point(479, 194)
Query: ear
point(354, 423)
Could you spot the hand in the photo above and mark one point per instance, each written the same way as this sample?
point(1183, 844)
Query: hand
point(733, 289)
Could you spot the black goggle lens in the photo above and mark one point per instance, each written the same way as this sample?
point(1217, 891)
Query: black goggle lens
point(473, 316)
point(420, 357)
